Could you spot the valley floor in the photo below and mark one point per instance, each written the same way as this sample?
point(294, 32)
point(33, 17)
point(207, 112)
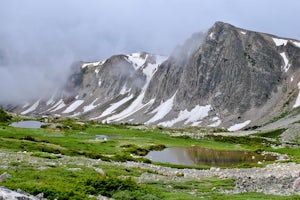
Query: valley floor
point(275, 179)
point(70, 160)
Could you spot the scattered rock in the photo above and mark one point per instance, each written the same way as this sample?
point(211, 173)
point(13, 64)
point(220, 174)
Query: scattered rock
point(296, 184)
point(6, 194)
point(4, 176)
point(99, 170)
point(74, 169)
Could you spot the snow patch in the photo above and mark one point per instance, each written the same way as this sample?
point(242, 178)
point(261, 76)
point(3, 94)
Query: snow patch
point(90, 64)
point(286, 62)
point(90, 107)
point(113, 107)
point(296, 43)
point(211, 35)
point(150, 69)
point(137, 104)
point(31, 108)
point(51, 100)
point(239, 126)
point(162, 110)
point(73, 106)
point(26, 105)
point(292, 78)
point(193, 116)
point(280, 42)
point(124, 90)
point(243, 32)
point(196, 123)
point(216, 122)
point(59, 105)
point(136, 60)
point(297, 103)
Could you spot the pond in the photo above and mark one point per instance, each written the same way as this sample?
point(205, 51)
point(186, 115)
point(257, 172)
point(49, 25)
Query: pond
point(206, 156)
point(104, 137)
point(28, 124)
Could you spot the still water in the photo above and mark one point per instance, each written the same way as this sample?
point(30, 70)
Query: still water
point(206, 156)
point(27, 124)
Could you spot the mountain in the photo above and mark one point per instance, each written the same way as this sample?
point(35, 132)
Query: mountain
point(229, 77)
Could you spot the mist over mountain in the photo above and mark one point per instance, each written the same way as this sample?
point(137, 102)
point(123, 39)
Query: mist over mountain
point(41, 39)
point(227, 77)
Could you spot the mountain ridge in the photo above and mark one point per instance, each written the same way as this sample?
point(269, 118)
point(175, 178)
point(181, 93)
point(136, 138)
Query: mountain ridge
point(229, 77)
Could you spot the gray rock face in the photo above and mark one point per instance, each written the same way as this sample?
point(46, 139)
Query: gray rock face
point(6, 194)
point(228, 77)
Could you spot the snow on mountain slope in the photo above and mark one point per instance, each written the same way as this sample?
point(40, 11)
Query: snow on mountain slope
point(73, 106)
point(192, 117)
point(222, 78)
point(239, 126)
point(113, 107)
point(162, 110)
point(31, 108)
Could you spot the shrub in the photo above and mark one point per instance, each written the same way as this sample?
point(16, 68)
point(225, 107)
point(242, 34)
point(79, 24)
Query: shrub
point(125, 189)
point(4, 117)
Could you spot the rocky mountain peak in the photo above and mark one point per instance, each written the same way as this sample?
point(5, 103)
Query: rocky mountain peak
point(227, 77)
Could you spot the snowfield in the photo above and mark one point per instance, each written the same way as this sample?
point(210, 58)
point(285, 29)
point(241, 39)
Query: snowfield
point(279, 42)
point(73, 106)
point(113, 107)
point(216, 122)
point(32, 108)
point(239, 126)
point(286, 66)
point(297, 103)
point(194, 116)
point(90, 107)
point(149, 70)
point(162, 110)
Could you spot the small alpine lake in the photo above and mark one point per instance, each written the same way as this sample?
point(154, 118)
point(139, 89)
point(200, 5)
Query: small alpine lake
point(206, 156)
point(27, 124)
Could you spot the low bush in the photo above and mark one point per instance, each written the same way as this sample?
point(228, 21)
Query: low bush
point(119, 188)
point(4, 117)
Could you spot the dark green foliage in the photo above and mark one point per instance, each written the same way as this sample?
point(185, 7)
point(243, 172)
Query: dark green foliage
point(4, 117)
point(71, 124)
point(272, 134)
point(45, 155)
point(136, 150)
point(119, 188)
point(158, 147)
point(142, 151)
point(251, 141)
point(29, 138)
point(107, 186)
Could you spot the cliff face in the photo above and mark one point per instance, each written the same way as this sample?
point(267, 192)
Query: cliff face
point(229, 77)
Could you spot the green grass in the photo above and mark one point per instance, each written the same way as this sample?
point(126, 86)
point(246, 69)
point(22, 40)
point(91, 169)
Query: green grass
point(79, 142)
point(45, 155)
point(77, 139)
point(61, 183)
point(271, 134)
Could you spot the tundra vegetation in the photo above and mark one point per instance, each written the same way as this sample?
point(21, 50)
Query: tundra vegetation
point(43, 169)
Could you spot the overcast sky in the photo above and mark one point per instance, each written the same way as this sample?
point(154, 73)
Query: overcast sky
point(39, 39)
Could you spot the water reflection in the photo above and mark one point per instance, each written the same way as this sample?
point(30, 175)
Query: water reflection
point(98, 137)
point(206, 156)
point(27, 124)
